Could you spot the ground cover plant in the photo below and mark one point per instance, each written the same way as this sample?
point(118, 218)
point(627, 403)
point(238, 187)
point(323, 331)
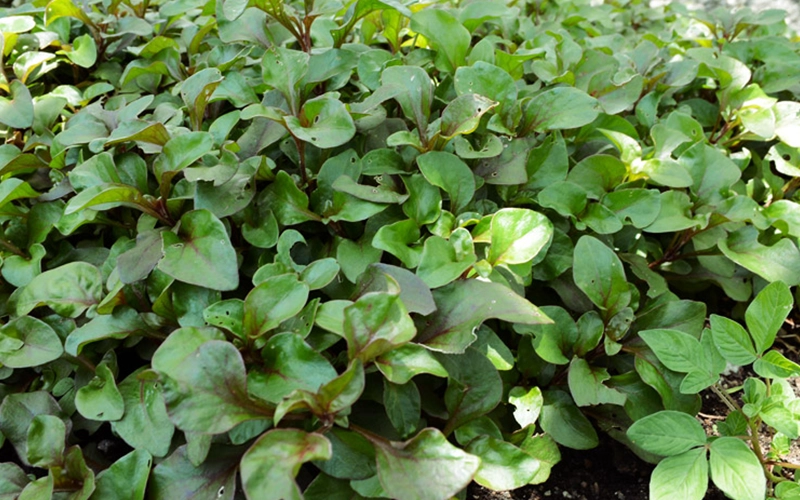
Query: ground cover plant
point(382, 248)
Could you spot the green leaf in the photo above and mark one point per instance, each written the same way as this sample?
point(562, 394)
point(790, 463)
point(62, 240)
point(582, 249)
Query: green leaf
point(678, 351)
point(69, 290)
point(510, 167)
point(448, 37)
point(528, 404)
point(411, 470)
point(779, 262)
point(46, 437)
point(17, 411)
point(713, 173)
point(489, 81)
point(293, 364)
point(735, 470)
point(272, 302)
point(586, 385)
point(145, 424)
point(375, 324)
point(564, 197)
point(732, 341)
point(204, 382)
point(474, 387)
point(403, 406)
point(353, 456)
point(125, 479)
point(84, 51)
point(17, 112)
point(598, 272)
point(463, 114)
point(681, 477)
point(201, 243)
point(766, 314)
point(565, 423)
point(123, 323)
point(462, 307)
point(287, 201)
point(503, 465)
point(414, 294)
point(269, 467)
point(12, 481)
point(414, 92)
point(402, 363)
point(177, 478)
point(598, 174)
point(443, 261)
point(395, 238)
point(675, 214)
point(106, 197)
point(447, 171)
point(196, 92)
point(26, 342)
point(518, 235)
point(640, 206)
point(282, 69)
point(559, 108)
point(667, 433)
point(100, 399)
point(181, 151)
point(775, 365)
point(330, 124)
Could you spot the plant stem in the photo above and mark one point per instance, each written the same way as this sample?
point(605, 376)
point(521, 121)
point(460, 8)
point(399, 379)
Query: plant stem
point(12, 248)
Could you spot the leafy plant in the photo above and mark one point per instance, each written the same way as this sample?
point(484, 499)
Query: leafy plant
point(323, 249)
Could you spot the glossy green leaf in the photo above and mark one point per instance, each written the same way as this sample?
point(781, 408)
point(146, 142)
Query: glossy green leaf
point(474, 387)
point(182, 151)
point(462, 308)
point(773, 364)
point(13, 480)
point(402, 363)
point(411, 470)
point(565, 423)
point(599, 274)
point(503, 465)
point(395, 238)
point(443, 261)
point(196, 92)
point(271, 302)
point(712, 172)
point(269, 467)
point(69, 290)
point(560, 108)
point(177, 478)
point(375, 324)
point(17, 112)
point(330, 124)
point(678, 351)
point(403, 405)
point(463, 114)
point(46, 437)
point(528, 404)
point(586, 385)
point(125, 479)
point(100, 399)
point(84, 51)
point(780, 261)
point(732, 341)
point(287, 201)
point(201, 243)
point(766, 314)
point(518, 235)
point(415, 92)
point(27, 342)
point(414, 294)
point(145, 424)
point(448, 172)
point(447, 36)
point(667, 433)
point(680, 477)
point(488, 81)
point(735, 469)
point(283, 69)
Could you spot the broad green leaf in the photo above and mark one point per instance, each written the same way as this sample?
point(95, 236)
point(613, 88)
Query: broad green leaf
point(69, 290)
point(663, 171)
point(414, 294)
point(448, 37)
point(566, 198)
point(402, 363)
point(282, 69)
point(84, 51)
point(735, 470)
point(353, 456)
point(463, 114)
point(65, 8)
point(503, 465)
point(565, 423)
point(329, 123)
point(447, 171)
point(640, 206)
point(272, 302)
point(426, 467)
point(424, 203)
point(443, 261)
point(787, 122)
point(559, 108)
point(196, 92)
point(773, 364)
point(779, 262)
point(201, 243)
point(108, 196)
point(176, 478)
point(26, 342)
point(543, 448)
point(713, 173)
point(518, 235)
point(415, 92)
point(675, 214)
point(145, 424)
point(766, 314)
point(17, 112)
point(100, 399)
point(16, 24)
point(375, 324)
point(46, 437)
point(182, 151)
point(269, 467)
point(395, 238)
point(678, 351)
point(462, 307)
point(586, 385)
point(17, 411)
point(598, 272)
point(292, 364)
point(598, 174)
point(403, 405)
point(12, 481)
point(287, 201)
point(528, 404)
point(681, 477)
point(732, 341)
point(488, 81)
point(667, 433)
point(15, 189)
point(125, 479)
point(510, 167)
point(474, 387)
point(204, 382)
point(123, 323)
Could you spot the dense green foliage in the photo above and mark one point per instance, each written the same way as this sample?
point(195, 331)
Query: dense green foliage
point(245, 238)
